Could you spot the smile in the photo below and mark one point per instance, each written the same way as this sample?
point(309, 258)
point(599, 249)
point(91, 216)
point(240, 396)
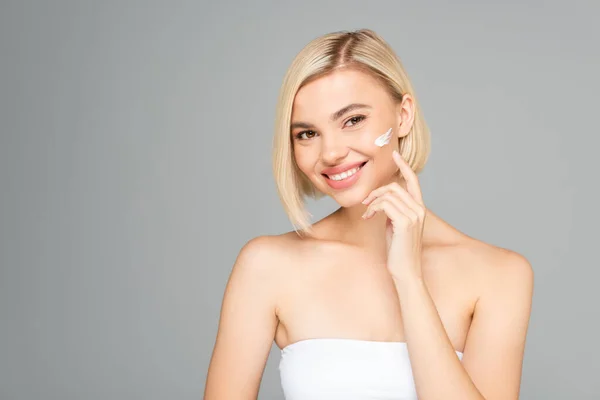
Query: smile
point(344, 179)
point(345, 174)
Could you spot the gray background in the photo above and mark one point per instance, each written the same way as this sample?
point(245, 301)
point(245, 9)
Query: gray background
point(135, 162)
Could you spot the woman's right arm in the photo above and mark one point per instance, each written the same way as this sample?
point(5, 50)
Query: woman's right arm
point(246, 327)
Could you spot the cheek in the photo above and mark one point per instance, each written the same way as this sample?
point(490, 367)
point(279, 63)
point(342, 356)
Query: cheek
point(370, 145)
point(304, 159)
point(383, 161)
point(364, 143)
point(383, 139)
point(375, 140)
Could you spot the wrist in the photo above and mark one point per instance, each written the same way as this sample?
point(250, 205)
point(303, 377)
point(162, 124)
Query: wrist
point(407, 281)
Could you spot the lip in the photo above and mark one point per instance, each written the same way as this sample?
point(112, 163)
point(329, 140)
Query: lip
point(345, 183)
point(341, 168)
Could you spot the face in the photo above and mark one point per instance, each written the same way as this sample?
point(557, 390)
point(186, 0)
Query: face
point(336, 121)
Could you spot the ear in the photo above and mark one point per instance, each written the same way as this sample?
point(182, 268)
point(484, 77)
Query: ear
point(405, 115)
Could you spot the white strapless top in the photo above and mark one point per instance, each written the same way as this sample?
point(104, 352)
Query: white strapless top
point(347, 369)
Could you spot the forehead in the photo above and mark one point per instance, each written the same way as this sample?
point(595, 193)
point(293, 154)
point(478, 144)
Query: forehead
point(333, 91)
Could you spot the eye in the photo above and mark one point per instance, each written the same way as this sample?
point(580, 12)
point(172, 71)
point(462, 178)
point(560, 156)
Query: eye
point(355, 120)
point(309, 135)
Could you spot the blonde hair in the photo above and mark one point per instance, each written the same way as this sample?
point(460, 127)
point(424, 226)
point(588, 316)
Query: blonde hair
point(363, 50)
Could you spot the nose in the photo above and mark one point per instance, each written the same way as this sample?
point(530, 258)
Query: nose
point(333, 149)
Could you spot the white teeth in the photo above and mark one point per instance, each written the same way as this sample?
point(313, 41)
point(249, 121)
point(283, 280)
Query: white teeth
point(345, 174)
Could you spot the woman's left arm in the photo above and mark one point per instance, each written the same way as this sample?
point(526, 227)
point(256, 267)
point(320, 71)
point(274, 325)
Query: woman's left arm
point(493, 354)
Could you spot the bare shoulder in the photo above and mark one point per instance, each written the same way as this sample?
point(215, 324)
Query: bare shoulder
point(269, 251)
point(495, 266)
point(248, 319)
point(269, 257)
point(496, 336)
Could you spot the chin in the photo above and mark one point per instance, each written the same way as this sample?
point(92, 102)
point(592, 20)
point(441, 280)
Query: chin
point(349, 197)
point(349, 203)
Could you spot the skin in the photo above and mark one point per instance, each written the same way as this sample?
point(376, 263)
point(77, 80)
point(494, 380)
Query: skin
point(386, 269)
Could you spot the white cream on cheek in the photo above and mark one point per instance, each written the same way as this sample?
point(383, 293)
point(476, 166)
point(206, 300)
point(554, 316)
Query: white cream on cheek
point(384, 139)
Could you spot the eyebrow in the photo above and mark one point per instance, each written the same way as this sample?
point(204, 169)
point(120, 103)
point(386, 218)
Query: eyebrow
point(334, 117)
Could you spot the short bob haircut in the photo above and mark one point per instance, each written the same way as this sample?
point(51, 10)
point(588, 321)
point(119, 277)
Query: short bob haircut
point(362, 50)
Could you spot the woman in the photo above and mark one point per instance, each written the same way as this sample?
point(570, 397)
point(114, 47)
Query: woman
point(382, 299)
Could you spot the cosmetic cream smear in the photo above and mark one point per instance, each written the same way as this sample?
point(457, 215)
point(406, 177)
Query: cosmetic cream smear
point(384, 139)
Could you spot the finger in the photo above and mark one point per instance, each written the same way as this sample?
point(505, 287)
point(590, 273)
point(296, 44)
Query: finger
point(389, 208)
point(370, 209)
point(397, 189)
point(412, 181)
point(396, 202)
point(400, 191)
point(380, 191)
point(398, 218)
